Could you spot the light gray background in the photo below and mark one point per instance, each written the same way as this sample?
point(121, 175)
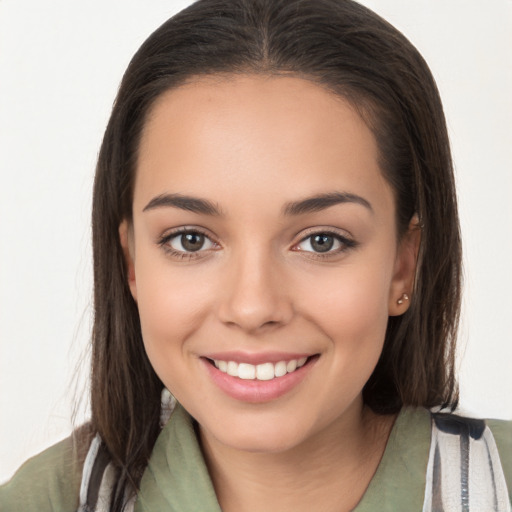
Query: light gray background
point(60, 64)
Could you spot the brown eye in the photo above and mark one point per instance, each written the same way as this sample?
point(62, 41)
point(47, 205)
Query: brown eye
point(189, 241)
point(322, 242)
point(192, 241)
point(325, 243)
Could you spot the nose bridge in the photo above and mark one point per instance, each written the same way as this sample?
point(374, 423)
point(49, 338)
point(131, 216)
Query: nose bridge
point(254, 296)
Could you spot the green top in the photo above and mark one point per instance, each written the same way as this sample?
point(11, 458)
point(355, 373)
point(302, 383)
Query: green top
point(177, 480)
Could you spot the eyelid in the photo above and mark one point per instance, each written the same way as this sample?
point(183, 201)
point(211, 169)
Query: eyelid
point(346, 240)
point(164, 239)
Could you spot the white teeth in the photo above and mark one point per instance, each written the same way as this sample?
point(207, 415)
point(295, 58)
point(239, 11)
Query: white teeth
point(280, 369)
point(291, 366)
point(264, 371)
point(232, 369)
point(246, 371)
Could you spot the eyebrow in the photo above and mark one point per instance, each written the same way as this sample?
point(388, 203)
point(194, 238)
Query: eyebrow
point(323, 201)
point(191, 204)
point(308, 205)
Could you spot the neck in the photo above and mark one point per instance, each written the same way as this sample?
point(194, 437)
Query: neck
point(332, 467)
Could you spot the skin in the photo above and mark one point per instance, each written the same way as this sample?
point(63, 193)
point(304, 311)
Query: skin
point(250, 145)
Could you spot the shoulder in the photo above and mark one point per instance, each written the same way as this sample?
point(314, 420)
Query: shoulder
point(502, 433)
point(49, 481)
point(480, 450)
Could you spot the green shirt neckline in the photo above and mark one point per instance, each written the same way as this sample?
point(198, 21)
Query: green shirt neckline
point(177, 479)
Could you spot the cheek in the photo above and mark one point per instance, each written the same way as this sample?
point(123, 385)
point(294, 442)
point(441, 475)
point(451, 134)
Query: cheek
point(352, 311)
point(172, 304)
point(353, 300)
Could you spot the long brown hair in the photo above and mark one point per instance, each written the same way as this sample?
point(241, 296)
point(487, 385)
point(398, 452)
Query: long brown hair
point(351, 51)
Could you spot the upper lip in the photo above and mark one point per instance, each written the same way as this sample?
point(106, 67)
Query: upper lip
point(255, 357)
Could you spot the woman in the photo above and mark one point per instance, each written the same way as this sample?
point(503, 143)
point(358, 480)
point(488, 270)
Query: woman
point(276, 242)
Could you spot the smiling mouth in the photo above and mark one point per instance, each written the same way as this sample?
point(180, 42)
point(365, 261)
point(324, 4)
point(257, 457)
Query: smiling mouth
point(264, 371)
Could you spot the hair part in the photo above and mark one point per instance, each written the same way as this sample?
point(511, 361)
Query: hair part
point(348, 49)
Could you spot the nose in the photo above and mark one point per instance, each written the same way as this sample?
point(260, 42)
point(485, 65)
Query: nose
point(255, 296)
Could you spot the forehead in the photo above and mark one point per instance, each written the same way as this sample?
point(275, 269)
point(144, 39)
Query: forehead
point(274, 135)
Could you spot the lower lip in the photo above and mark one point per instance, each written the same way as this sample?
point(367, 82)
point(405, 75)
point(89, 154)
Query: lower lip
point(258, 391)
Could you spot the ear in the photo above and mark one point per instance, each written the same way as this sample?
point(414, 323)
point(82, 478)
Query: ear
point(402, 285)
point(126, 239)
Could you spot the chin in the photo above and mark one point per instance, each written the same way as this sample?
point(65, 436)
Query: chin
point(257, 434)
point(261, 442)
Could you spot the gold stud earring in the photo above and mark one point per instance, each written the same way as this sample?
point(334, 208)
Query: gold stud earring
point(403, 298)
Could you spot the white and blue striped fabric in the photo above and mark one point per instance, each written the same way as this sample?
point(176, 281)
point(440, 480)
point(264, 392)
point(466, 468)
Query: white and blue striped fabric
point(464, 472)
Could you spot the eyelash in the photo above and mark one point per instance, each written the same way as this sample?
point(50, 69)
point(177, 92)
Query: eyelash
point(345, 242)
point(182, 255)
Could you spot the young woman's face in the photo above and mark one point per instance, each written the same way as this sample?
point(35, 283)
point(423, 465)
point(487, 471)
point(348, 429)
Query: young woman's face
point(263, 239)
